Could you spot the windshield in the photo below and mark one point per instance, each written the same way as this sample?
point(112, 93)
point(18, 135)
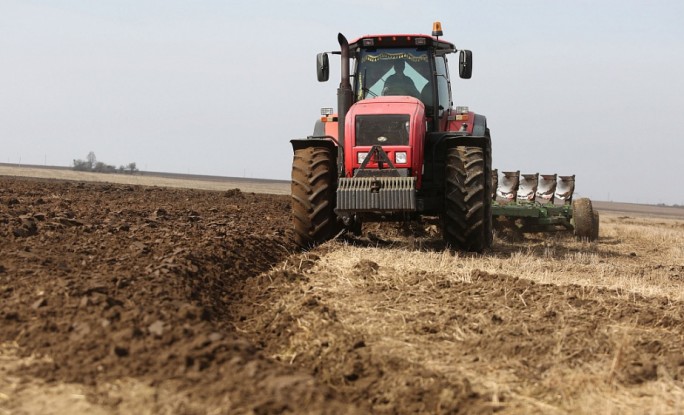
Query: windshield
point(392, 72)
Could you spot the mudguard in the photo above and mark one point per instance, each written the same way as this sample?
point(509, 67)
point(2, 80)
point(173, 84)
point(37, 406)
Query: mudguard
point(312, 141)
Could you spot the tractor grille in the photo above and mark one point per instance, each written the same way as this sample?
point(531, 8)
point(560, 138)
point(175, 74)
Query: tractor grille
point(384, 130)
point(372, 194)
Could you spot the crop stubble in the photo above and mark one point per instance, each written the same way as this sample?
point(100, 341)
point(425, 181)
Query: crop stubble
point(177, 300)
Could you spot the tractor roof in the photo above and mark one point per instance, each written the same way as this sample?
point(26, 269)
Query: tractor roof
point(400, 41)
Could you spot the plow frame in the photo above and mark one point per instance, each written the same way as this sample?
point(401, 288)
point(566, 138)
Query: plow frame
point(535, 217)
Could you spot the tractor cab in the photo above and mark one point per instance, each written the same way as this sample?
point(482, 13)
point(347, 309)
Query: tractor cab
point(404, 65)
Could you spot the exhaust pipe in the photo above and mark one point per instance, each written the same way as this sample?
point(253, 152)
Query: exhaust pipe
point(344, 97)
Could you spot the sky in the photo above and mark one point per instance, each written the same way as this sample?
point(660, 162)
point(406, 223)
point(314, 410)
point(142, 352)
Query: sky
point(591, 88)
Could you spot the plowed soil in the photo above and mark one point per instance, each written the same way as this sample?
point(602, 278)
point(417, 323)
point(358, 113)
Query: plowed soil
point(117, 298)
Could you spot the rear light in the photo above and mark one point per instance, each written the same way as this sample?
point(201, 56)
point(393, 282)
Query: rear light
point(361, 157)
point(400, 157)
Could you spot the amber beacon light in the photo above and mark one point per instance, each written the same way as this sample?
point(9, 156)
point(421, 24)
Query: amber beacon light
point(437, 29)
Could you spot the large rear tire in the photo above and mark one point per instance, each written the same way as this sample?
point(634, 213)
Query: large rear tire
point(314, 180)
point(583, 216)
point(464, 221)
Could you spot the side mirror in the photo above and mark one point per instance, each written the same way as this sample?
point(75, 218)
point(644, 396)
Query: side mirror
point(465, 64)
point(322, 67)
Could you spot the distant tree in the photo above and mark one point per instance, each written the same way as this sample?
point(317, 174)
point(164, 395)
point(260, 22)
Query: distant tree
point(92, 160)
point(132, 168)
point(91, 164)
point(101, 167)
point(81, 165)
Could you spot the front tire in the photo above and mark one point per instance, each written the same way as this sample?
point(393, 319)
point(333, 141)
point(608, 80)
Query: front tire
point(467, 204)
point(314, 181)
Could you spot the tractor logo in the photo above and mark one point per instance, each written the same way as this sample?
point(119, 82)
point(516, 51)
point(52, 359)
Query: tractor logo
point(382, 139)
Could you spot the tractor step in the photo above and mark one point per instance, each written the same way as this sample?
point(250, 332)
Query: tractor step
point(376, 194)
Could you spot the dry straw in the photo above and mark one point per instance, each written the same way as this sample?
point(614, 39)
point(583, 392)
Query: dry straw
point(436, 317)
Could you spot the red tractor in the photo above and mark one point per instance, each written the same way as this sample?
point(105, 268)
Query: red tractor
point(397, 149)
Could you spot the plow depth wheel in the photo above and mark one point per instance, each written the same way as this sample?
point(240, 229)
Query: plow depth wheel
point(464, 221)
point(586, 221)
point(314, 181)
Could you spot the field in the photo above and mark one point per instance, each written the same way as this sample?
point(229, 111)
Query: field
point(124, 298)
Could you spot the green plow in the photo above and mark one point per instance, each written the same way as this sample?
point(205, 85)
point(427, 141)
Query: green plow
point(542, 203)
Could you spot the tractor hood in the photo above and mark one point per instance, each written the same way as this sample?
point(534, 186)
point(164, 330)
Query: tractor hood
point(395, 123)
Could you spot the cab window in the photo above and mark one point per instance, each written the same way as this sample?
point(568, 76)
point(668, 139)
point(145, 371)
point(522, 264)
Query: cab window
point(391, 72)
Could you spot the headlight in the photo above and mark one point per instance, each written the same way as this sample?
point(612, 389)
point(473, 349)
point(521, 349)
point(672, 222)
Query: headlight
point(400, 157)
point(360, 157)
